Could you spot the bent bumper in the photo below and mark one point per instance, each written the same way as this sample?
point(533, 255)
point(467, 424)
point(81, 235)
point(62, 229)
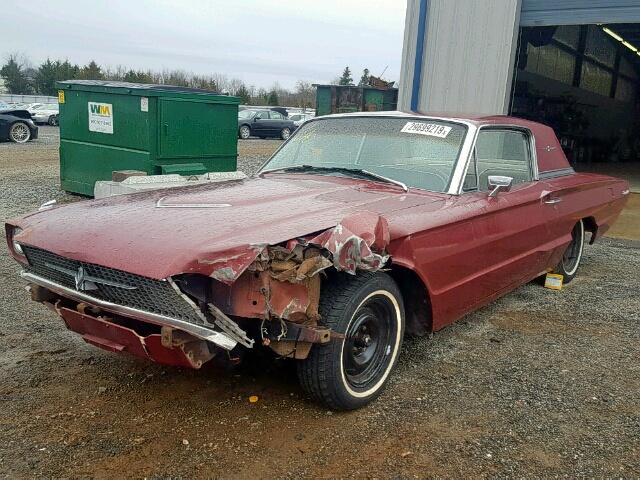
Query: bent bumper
point(198, 331)
point(117, 338)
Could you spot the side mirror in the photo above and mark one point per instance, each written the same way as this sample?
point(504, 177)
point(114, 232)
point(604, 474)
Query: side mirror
point(498, 183)
point(255, 119)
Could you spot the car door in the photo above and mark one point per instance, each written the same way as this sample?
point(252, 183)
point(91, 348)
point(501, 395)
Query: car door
point(261, 125)
point(278, 121)
point(512, 239)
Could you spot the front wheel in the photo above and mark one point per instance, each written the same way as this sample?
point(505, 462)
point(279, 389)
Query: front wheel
point(568, 266)
point(348, 373)
point(244, 132)
point(285, 133)
point(19, 132)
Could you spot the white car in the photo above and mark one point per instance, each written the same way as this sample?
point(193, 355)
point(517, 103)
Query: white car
point(299, 118)
point(46, 113)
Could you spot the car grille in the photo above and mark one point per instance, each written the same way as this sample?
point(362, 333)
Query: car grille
point(150, 295)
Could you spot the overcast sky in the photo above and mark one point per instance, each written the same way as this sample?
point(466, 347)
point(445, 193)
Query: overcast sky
point(258, 41)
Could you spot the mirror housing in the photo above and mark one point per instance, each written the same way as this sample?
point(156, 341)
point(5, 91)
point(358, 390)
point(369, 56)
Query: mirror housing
point(498, 183)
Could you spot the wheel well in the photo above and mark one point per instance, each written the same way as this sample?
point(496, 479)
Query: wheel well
point(591, 226)
point(415, 296)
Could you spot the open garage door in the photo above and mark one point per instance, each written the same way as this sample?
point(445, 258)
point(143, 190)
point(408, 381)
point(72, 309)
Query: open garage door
point(584, 81)
point(578, 12)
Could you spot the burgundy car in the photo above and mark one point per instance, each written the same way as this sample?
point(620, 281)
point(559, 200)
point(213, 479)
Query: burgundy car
point(358, 229)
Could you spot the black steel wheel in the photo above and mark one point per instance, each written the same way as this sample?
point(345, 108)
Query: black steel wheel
point(568, 266)
point(349, 373)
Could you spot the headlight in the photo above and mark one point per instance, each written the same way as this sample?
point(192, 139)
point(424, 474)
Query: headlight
point(16, 246)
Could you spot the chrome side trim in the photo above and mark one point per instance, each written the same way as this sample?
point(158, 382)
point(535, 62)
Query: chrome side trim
point(560, 172)
point(204, 333)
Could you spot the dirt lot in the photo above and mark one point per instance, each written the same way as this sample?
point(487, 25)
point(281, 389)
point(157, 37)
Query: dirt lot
point(540, 384)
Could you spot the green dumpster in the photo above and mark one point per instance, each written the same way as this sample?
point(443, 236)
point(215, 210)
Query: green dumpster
point(354, 98)
point(108, 126)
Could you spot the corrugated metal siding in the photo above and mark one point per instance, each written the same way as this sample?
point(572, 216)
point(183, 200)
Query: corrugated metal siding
point(468, 56)
point(578, 12)
point(408, 54)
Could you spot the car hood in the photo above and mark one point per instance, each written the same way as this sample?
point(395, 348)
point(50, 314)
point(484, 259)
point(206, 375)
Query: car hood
point(193, 229)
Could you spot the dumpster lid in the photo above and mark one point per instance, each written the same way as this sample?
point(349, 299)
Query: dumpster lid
point(148, 89)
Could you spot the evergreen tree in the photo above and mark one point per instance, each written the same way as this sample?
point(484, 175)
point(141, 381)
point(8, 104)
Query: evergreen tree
point(46, 77)
point(92, 71)
point(346, 78)
point(15, 76)
point(243, 94)
point(273, 98)
point(364, 80)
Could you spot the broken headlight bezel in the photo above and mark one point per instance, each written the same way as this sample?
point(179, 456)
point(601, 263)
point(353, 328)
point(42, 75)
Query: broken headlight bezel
point(15, 248)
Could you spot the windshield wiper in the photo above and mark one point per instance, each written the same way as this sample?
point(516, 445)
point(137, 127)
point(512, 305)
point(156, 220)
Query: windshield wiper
point(346, 170)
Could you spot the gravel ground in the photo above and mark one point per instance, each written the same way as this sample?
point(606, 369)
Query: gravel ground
point(539, 384)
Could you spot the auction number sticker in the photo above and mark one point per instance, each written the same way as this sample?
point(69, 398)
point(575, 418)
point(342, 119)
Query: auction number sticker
point(431, 129)
point(100, 117)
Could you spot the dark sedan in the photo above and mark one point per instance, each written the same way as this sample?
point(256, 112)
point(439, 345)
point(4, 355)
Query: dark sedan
point(17, 126)
point(264, 123)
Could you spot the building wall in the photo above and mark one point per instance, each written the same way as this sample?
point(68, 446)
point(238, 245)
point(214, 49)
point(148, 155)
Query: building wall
point(468, 55)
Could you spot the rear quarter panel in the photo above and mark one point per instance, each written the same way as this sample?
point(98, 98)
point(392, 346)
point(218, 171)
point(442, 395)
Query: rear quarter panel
point(587, 196)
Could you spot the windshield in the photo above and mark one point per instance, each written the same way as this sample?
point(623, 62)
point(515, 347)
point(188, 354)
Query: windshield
point(420, 153)
point(246, 113)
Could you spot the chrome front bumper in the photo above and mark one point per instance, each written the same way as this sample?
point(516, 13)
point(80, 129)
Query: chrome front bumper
point(220, 339)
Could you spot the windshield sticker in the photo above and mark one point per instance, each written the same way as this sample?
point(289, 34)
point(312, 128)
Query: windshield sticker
point(431, 129)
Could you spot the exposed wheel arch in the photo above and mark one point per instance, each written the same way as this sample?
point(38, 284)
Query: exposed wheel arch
point(416, 298)
point(591, 226)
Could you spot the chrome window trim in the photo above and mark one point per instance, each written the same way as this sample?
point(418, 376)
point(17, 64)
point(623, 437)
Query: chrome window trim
point(202, 332)
point(559, 172)
point(531, 144)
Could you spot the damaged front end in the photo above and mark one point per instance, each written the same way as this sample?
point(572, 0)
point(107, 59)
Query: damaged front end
point(264, 293)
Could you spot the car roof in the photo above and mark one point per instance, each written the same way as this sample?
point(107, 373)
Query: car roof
point(550, 156)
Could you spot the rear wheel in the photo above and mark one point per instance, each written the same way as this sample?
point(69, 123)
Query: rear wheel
point(244, 132)
point(19, 132)
point(349, 373)
point(285, 133)
point(568, 266)
point(53, 120)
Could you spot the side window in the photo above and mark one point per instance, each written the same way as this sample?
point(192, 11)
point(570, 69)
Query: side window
point(264, 115)
point(276, 115)
point(499, 152)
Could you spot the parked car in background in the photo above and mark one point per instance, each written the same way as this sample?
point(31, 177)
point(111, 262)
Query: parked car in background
point(30, 107)
point(299, 118)
point(5, 106)
point(362, 227)
point(46, 113)
point(17, 126)
point(264, 123)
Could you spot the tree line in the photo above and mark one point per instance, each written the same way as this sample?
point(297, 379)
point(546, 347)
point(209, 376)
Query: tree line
point(22, 78)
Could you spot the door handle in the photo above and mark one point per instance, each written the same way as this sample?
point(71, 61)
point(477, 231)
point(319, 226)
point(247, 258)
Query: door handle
point(551, 201)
